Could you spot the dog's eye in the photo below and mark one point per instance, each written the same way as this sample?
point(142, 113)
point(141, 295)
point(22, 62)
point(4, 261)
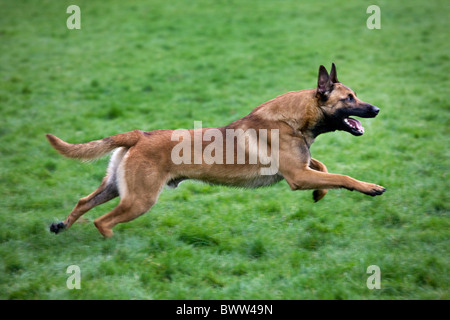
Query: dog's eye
point(350, 98)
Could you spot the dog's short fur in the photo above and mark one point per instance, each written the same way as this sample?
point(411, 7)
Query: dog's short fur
point(141, 164)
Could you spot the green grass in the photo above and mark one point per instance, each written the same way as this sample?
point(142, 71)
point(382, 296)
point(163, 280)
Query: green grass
point(156, 64)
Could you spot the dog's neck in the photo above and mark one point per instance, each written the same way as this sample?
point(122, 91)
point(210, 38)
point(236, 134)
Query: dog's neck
point(299, 110)
point(323, 126)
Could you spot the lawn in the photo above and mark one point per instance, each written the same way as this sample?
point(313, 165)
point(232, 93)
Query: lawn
point(165, 64)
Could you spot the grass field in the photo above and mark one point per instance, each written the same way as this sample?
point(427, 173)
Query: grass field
point(165, 64)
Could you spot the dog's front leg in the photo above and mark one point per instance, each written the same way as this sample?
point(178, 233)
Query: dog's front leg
point(319, 166)
point(305, 179)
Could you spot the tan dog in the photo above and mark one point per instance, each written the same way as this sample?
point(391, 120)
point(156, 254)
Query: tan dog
point(144, 162)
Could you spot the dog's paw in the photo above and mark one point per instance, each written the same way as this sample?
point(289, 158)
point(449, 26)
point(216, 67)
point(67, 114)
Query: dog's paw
point(374, 190)
point(57, 227)
point(319, 194)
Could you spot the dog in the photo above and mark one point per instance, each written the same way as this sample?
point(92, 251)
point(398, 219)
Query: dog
point(143, 161)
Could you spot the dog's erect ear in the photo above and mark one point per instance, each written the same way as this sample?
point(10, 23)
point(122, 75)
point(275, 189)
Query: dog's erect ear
point(333, 74)
point(324, 84)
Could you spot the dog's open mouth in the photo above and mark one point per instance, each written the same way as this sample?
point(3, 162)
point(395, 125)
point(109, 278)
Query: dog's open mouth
point(354, 126)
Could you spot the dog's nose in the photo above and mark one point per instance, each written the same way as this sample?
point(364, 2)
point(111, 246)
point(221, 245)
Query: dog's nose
point(375, 109)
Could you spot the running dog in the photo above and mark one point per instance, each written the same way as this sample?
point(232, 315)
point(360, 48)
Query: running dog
point(143, 161)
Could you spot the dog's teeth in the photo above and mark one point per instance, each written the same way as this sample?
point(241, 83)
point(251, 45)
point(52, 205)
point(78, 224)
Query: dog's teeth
point(349, 123)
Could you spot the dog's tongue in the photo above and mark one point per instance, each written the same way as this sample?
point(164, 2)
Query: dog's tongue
point(356, 124)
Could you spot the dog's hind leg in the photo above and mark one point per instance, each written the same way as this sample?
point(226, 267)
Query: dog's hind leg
point(127, 210)
point(139, 189)
point(319, 166)
point(105, 192)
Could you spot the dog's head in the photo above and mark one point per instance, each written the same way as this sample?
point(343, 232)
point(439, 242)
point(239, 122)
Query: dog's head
point(338, 103)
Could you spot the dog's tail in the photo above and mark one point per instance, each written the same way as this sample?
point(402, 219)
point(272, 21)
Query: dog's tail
point(94, 149)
